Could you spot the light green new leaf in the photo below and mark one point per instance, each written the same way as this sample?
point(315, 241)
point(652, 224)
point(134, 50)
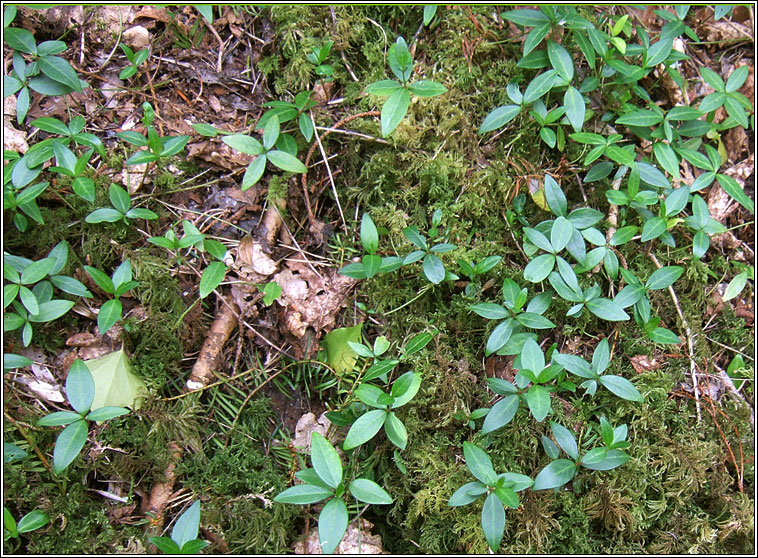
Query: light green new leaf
point(332, 524)
point(369, 234)
point(663, 277)
point(501, 414)
point(115, 383)
point(467, 494)
point(427, 88)
point(433, 268)
point(665, 155)
point(565, 439)
point(383, 88)
point(243, 143)
point(187, 525)
point(394, 110)
point(735, 286)
point(395, 431)
point(653, 228)
point(326, 461)
point(539, 268)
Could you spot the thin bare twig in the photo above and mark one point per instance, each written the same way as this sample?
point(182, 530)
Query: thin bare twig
point(688, 334)
point(329, 172)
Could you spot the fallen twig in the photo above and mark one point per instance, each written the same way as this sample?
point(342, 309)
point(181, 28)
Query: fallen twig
point(688, 334)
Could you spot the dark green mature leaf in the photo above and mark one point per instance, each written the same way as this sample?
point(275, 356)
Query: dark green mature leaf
point(326, 461)
point(364, 428)
point(395, 431)
point(369, 492)
point(607, 310)
point(303, 494)
point(539, 268)
point(69, 443)
point(575, 108)
point(80, 387)
point(613, 458)
point(499, 336)
point(554, 475)
point(479, 463)
point(667, 158)
point(394, 109)
point(243, 143)
point(212, 278)
point(501, 413)
point(532, 41)
point(369, 234)
point(538, 400)
point(561, 60)
point(433, 268)
point(58, 69)
point(332, 524)
point(621, 387)
point(663, 277)
point(60, 418)
point(467, 494)
point(526, 17)
point(490, 310)
point(51, 310)
point(640, 117)
point(653, 228)
point(285, 161)
point(110, 312)
point(104, 214)
point(554, 196)
point(565, 439)
point(732, 187)
point(539, 86)
point(165, 545)
point(20, 39)
point(499, 118)
point(493, 521)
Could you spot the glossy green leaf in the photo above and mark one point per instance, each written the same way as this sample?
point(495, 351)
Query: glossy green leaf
point(539, 268)
point(243, 143)
point(575, 108)
point(51, 310)
point(490, 310)
point(405, 388)
point(32, 521)
point(303, 494)
point(733, 188)
point(565, 439)
point(653, 228)
point(212, 278)
point(467, 494)
point(80, 387)
point(640, 117)
point(538, 400)
point(663, 277)
point(433, 269)
point(427, 88)
point(165, 545)
point(285, 161)
point(110, 312)
point(396, 432)
point(499, 336)
point(621, 387)
point(539, 86)
point(58, 69)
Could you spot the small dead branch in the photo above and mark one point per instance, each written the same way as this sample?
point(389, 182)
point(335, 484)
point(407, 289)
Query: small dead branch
point(734, 393)
point(161, 492)
point(688, 334)
point(220, 330)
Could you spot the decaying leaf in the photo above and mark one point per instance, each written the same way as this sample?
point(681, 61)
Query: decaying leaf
point(355, 541)
point(251, 259)
point(645, 363)
point(115, 383)
point(311, 301)
point(306, 426)
point(43, 384)
point(339, 355)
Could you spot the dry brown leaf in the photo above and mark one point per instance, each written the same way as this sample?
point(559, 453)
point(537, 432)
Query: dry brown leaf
point(251, 259)
point(645, 363)
point(306, 426)
point(311, 301)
